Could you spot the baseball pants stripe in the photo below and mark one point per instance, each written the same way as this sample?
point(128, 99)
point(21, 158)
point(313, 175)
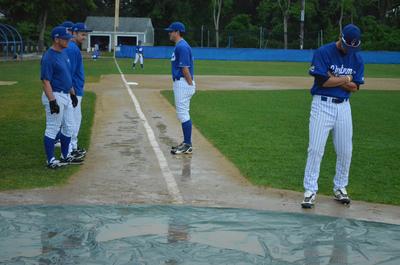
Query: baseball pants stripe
point(324, 117)
point(77, 119)
point(183, 92)
point(64, 118)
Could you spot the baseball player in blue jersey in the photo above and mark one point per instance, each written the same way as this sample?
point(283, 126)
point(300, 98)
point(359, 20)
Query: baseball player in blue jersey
point(338, 71)
point(138, 55)
point(78, 82)
point(183, 84)
point(56, 97)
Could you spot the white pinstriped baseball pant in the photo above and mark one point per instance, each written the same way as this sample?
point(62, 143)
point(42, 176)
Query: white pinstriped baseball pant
point(183, 92)
point(64, 119)
point(137, 57)
point(324, 117)
point(77, 117)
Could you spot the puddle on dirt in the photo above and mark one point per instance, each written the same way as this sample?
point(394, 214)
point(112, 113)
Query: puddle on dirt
point(162, 130)
point(187, 235)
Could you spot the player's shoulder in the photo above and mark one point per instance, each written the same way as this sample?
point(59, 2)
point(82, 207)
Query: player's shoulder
point(358, 57)
point(182, 46)
point(72, 47)
point(48, 55)
point(183, 43)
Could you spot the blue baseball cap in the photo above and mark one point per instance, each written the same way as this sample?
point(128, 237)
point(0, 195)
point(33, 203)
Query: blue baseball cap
point(67, 24)
point(60, 33)
point(351, 38)
point(176, 26)
point(80, 27)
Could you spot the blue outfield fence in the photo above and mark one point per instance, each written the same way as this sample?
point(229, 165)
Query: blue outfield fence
point(242, 54)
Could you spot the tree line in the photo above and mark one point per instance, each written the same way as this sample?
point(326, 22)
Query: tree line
point(233, 23)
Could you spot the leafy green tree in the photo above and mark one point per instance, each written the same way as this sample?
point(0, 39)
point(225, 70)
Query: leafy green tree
point(242, 32)
point(40, 14)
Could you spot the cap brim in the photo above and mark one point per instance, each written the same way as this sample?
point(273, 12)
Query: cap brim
point(169, 29)
point(350, 48)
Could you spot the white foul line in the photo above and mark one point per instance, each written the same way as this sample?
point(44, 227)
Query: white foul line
point(166, 172)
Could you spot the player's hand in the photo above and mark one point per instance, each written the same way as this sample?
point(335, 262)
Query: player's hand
point(350, 86)
point(54, 108)
point(74, 99)
point(350, 78)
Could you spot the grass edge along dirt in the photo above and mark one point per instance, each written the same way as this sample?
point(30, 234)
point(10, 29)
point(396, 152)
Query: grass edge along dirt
point(265, 134)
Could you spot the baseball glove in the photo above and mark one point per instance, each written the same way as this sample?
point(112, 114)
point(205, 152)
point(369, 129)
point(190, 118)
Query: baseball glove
point(74, 99)
point(54, 108)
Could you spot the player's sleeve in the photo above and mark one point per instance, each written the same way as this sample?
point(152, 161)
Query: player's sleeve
point(319, 64)
point(183, 56)
point(358, 77)
point(46, 69)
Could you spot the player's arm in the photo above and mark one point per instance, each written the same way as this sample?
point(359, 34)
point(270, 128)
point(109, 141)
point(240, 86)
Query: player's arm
point(48, 90)
point(332, 81)
point(186, 74)
point(348, 85)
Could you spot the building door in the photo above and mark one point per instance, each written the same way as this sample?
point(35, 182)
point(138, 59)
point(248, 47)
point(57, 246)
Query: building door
point(127, 40)
point(103, 41)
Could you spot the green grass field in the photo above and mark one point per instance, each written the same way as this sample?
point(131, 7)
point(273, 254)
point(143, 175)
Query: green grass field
point(157, 66)
point(22, 123)
point(265, 134)
point(268, 146)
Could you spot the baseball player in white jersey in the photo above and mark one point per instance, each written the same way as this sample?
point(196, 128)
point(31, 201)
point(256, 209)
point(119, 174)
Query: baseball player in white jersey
point(138, 55)
point(184, 85)
point(338, 71)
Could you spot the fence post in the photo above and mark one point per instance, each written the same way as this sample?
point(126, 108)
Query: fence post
point(208, 38)
point(303, 3)
point(322, 37)
point(202, 33)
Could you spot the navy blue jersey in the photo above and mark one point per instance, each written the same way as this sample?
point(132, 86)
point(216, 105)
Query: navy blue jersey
point(139, 49)
point(56, 68)
point(328, 58)
point(181, 57)
point(78, 75)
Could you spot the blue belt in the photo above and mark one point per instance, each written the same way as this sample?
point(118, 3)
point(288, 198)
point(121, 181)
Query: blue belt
point(334, 100)
point(176, 78)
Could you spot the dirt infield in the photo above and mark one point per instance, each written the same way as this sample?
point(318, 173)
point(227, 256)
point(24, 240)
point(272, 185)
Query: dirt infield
point(214, 82)
point(122, 168)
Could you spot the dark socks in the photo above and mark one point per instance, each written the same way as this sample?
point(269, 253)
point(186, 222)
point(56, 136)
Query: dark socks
point(64, 145)
point(49, 148)
point(187, 132)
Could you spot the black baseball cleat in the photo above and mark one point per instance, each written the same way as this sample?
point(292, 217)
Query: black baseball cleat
point(342, 196)
point(183, 148)
point(54, 164)
point(82, 150)
point(79, 153)
point(176, 147)
point(309, 199)
point(70, 160)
